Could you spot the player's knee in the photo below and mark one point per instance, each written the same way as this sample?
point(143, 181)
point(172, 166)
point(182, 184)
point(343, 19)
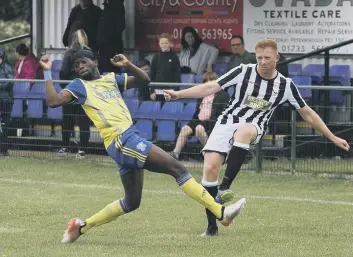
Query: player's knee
point(245, 134)
point(177, 169)
point(211, 168)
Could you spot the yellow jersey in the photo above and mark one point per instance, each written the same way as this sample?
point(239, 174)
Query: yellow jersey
point(103, 103)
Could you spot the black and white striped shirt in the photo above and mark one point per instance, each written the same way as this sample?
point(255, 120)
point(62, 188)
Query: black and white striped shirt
point(254, 99)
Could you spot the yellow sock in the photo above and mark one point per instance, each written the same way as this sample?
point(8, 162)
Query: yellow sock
point(197, 192)
point(108, 214)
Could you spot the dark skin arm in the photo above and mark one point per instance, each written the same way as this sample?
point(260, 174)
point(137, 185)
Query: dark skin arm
point(52, 98)
point(139, 78)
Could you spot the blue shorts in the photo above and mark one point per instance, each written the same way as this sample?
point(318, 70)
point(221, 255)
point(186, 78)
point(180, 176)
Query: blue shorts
point(129, 150)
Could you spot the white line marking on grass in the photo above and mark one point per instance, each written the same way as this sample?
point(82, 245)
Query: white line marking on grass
point(170, 192)
point(11, 230)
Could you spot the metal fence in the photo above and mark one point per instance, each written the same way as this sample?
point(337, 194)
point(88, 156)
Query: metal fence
point(291, 146)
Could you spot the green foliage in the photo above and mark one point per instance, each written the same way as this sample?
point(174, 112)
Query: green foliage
point(10, 29)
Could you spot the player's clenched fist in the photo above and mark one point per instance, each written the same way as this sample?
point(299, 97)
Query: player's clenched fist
point(45, 62)
point(120, 60)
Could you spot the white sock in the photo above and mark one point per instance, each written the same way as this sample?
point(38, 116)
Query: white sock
point(176, 153)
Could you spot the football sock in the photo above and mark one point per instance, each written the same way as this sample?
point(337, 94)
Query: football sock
point(212, 189)
point(197, 192)
point(108, 214)
point(236, 158)
point(176, 153)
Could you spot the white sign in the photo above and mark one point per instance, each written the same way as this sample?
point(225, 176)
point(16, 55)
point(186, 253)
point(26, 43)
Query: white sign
point(299, 26)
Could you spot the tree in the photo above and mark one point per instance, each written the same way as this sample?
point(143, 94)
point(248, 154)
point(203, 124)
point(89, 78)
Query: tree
point(15, 10)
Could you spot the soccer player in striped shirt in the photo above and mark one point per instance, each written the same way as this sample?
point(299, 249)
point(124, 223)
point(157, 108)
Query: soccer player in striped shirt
point(101, 99)
point(258, 90)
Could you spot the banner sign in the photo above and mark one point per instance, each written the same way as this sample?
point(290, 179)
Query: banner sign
point(299, 26)
point(216, 21)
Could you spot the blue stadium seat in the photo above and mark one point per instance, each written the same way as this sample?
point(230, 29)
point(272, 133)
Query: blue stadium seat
point(20, 92)
point(17, 108)
point(131, 93)
point(35, 108)
point(187, 100)
point(198, 79)
point(189, 111)
point(37, 91)
point(20, 89)
point(56, 68)
point(55, 113)
point(230, 91)
point(148, 110)
point(316, 72)
point(35, 100)
point(132, 105)
point(340, 74)
point(172, 111)
point(220, 68)
point(166, 130)
point(145, 128)
point(187, 78)
point(294, 69)
point(303, 81)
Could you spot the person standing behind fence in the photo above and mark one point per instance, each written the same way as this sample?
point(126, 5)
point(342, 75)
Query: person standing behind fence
point(6, 72)
point(84, 16)
point(109, 37)
point(165, 67)
point(79, 41)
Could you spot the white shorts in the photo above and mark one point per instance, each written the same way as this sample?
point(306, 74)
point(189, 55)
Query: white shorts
point(221, 138)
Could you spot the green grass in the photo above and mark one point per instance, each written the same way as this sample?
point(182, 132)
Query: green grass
point(38, 197)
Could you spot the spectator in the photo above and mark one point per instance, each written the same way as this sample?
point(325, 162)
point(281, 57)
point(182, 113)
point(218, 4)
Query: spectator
point(144, 92)
point(84, 16)
point(145, 65)
point(165, 67)
point(195, 56)
point(78, 41)
point(109, 38)
point(27, 65)
point(240, 55)
point(5, 102)
point(207, 111)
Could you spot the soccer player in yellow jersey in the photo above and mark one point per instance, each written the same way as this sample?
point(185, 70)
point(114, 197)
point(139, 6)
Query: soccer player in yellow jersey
point(100, 97)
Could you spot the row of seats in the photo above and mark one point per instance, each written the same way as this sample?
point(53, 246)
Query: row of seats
point(149, 114)
point(336, 97)
point(167, 119)
point(33, 96)
point(153, 110)
point(338, 73)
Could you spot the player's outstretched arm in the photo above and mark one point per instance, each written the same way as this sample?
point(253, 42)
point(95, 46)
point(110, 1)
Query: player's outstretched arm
point(199, 91)
point(139, 79)
point(310, 116)
point(52, 98)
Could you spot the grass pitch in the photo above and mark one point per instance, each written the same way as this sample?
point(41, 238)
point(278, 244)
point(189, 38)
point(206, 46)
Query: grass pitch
point(284, 215)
